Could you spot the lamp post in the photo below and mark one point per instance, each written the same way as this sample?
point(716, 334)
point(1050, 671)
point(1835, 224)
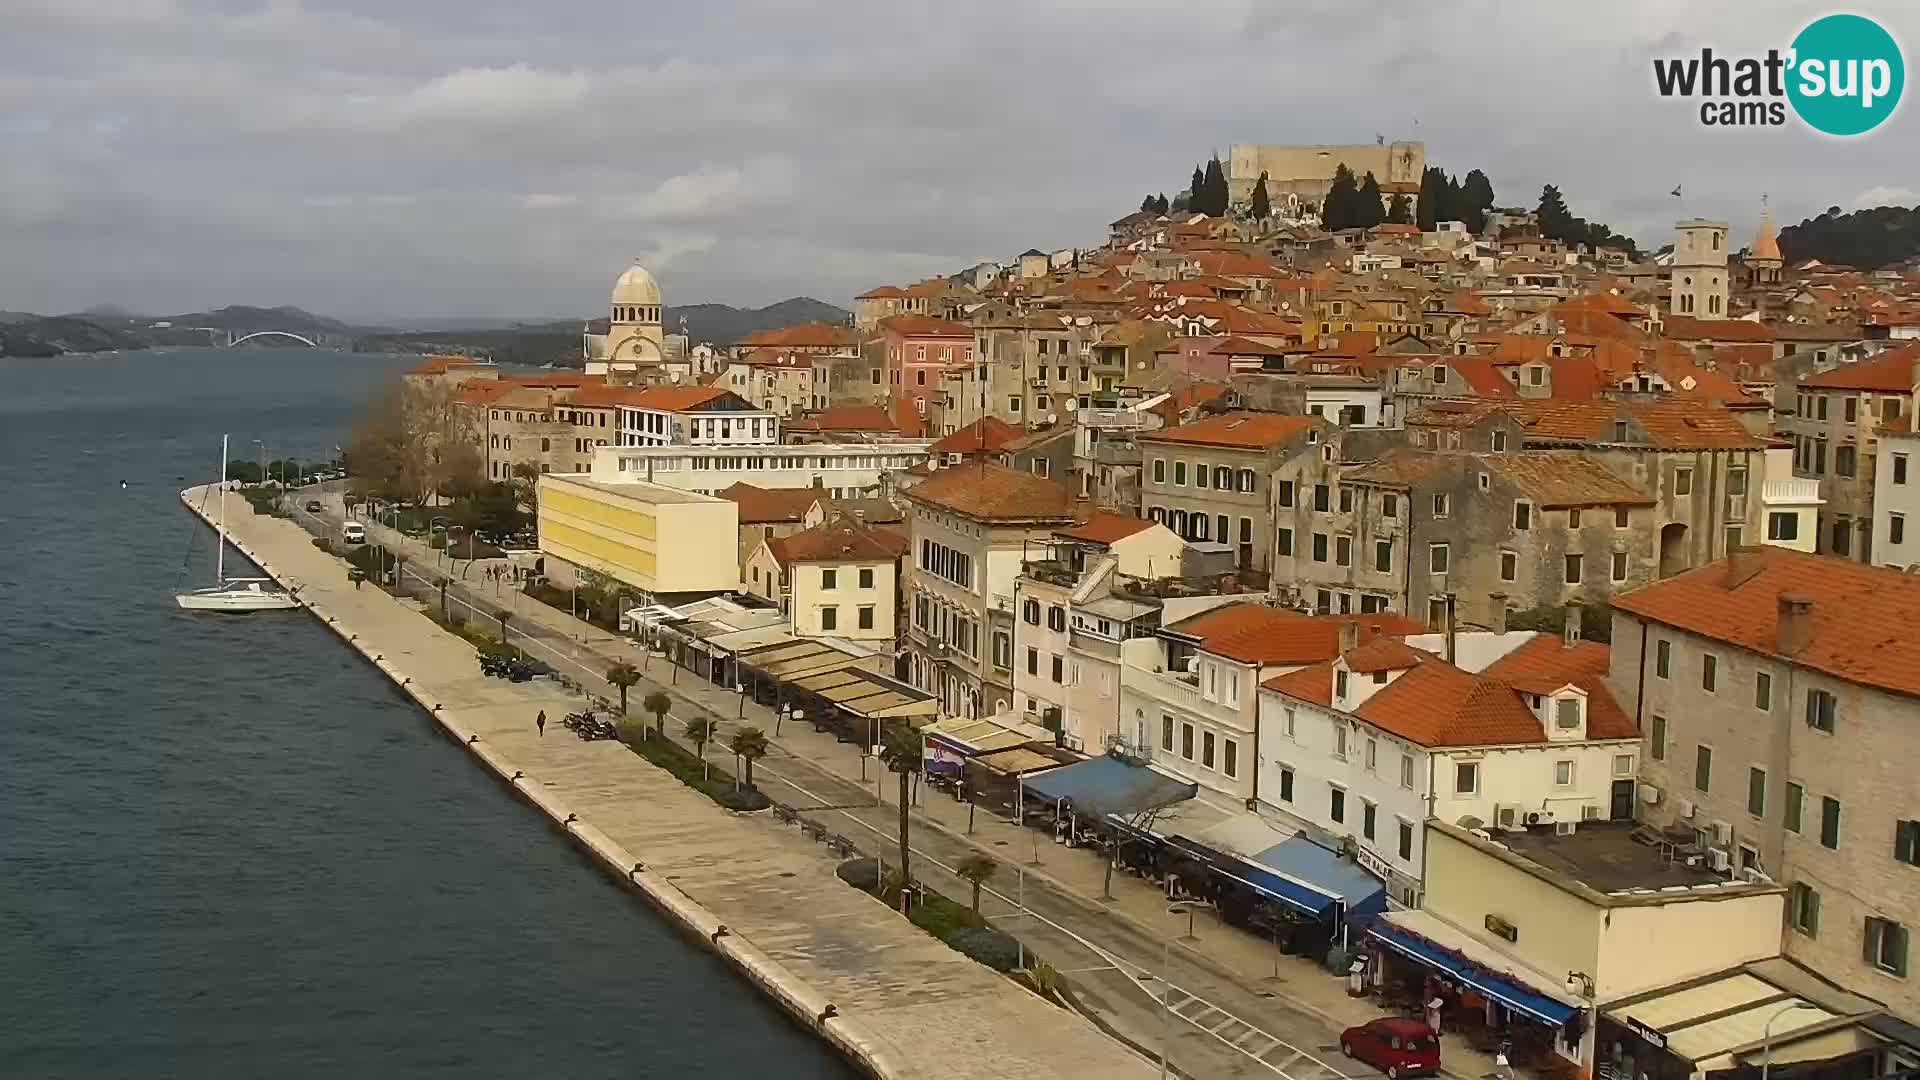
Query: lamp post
point(263, 461)
point(1766, 1032)
point(1166, 988)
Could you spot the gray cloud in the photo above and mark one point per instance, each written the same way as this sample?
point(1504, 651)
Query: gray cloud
point(374, 160)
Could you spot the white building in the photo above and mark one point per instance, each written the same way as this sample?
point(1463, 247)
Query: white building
point(842, 470)
point(1896, 497)
point(693, 416)
point(1791, 504)
point(1522, 731)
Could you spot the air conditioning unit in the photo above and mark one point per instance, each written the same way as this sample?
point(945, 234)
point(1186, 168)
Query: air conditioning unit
point(1684, 809)
point(1722, 833)
point(1753, 875)
point(1719, 860)
point(1508, 817)
point(1649, 794)
point(1540, 817)
point(1564, 828)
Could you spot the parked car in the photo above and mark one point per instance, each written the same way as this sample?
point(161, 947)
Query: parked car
point(1395, 1045)
point(314, 506)
point(353, 533)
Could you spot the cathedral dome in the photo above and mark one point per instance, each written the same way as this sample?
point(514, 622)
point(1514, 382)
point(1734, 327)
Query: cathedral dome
point(636, 286)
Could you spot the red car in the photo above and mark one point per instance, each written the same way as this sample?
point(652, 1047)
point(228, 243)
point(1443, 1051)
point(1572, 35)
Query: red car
point(1396, 1045)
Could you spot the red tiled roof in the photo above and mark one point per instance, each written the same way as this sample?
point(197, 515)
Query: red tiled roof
point(1104, 528)
point(770, 506)
point(1383, 654)
point(1545, 664)
point(675, 398)
point(438, 365)
point(1689, 328)
point(1896, 371)
point(994, 493)
point(883, 292)
point(1671, 425)
point(988, 433)
point(1862, 615)
point(1242, 430)
point(1256, 634)
point(925, 326)
point(840, 541)
point(874, 418)
point(814, 335)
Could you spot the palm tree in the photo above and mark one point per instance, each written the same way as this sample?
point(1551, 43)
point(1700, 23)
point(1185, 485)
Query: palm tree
point(526, 483)
point(975, 870)
point(656, 703)
point(505, 617)
point(749, 745)
point(902, 750)
point(349, 502)
point(624, 678)
point(702, 730)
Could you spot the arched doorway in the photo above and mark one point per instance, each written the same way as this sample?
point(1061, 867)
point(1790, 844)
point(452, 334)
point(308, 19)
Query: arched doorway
point(1674, 556)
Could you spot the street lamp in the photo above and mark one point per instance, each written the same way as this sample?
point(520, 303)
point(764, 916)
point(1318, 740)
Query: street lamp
point(263, 460)
point(1766, 1044)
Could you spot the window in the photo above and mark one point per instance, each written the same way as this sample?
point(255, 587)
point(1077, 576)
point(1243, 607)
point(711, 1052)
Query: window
point(1830, 822)
point(1623, 766)
point(1200, 476)
point(1437, 558)
point(866, 616)
point(1186, 741)
point(1563, 773)
point(1389, 505)
point(1509, 566)
point(1283, 492)
point(1383, 556)
point(1222, 478)
point(1762, 691)
point(1783, 525)
point(1179, 472)
point(829, 618)
point(1166, 733)
point(1159, 470)
point(1796, 804)
point(1621, 517)
point(1030, 611)
point(1896, 528)
point(1683, 481)
point(1575, 565)
point(1803, 909)
point(1522, 516)
point(828, 578)
point(1618, 570)
point(1343, 551)
point(1336, 803)
point(1886, 945)
point(1466, 778)
point(1406, 841)
point(1291, 730)
point(1850, 410)
point(1757, 792)
point(1709, 671)
point(1843, 460)
point(1243, 480)
point(1566, 713)
point(1230, 757)
point(1573, 517)
point(1057, 672)
point(1373, 753)
point(1056, 618)
point(1899, 468)
point(1663, 658)
point(1033, 660)
point(1346, 500)
point(1440, 504)
point(1906, 842)
point(1283, 542)
point(1499, 442)
point(1368, 814)
point(1820, 710)
point(1320, 494)
point(1340, 729)
point(1703, 769)
point(1406, 771)
point(1657, 738)
point(1206, 749)
point(1319, 547)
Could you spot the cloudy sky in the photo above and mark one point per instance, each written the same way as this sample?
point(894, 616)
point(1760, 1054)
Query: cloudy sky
point(378, 159)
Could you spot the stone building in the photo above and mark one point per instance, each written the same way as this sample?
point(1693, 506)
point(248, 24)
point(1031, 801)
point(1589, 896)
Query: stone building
point(1306, 172)
point(1209, 481)
point(1779, 696)
point(1699, 285)
point(1835, 427)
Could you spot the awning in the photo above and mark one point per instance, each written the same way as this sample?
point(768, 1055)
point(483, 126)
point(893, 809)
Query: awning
point(1724, 1017)
point(1472, 971)
point(1105, 785)
point(1017, 761)
point(1301, 896)
point(1300, 859)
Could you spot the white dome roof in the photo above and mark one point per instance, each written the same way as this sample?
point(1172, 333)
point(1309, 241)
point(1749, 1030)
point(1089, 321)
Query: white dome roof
point(636, 286)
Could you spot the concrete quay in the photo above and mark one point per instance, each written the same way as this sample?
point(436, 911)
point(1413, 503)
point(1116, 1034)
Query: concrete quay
point(895, 1001)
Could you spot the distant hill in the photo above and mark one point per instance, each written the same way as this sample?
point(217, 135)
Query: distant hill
point(39, 335)
point(1871, 238)
point(245, 320)
point(723, 324)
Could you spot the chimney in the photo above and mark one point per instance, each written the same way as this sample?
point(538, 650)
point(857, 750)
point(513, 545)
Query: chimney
point(1452, 630)
point(1743, 563)
point(1349, 636)
point(1499, 619)
point(1796, 624)
point(1570, 626)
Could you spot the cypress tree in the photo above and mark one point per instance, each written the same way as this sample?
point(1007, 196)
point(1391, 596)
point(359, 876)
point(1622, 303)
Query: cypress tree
point(1337, 212)
point(1146, 204)
point(1160, 204)
point(1367, 208)
point(1398, 213)
point(1215, 203)
point(1196, 192)
point(1427, 210)
point(1261, 208)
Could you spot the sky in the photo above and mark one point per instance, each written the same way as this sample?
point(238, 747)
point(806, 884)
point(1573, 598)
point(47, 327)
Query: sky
point(385, 159)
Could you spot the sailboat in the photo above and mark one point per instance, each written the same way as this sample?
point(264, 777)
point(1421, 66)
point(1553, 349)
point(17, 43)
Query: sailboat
point(233, 594)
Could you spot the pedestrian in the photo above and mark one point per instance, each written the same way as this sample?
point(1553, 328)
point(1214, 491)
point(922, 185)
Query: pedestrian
point(541, 723)
point(1433, 1014)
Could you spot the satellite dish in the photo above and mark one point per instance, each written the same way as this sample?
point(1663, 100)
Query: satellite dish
point(1072, 404)
point(1052, 418)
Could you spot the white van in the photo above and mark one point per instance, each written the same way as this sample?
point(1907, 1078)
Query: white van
point(353, 533)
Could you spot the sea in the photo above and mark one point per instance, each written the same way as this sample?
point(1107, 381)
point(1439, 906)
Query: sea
point(228, 846)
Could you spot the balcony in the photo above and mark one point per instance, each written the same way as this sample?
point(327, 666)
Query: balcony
point(1111, 419)
point(1790, 493)
point(1170, 687)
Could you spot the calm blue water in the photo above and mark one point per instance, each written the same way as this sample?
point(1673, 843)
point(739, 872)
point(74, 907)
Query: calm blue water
point(229, 848)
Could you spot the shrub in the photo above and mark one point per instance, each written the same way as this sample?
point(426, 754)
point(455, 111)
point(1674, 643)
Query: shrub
point(633, 729)
point(988, 946)
point(943, 918)
point(862, 874)
point(744, 799)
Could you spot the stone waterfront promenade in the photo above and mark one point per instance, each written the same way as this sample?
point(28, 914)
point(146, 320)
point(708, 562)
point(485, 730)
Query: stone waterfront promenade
point(896, 1001)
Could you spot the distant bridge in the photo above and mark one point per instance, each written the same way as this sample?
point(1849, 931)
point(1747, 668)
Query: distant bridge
point(308, 342)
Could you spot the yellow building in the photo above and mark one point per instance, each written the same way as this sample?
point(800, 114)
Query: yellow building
point(657, 539)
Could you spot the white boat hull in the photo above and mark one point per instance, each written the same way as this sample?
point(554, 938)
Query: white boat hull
point(236, 598)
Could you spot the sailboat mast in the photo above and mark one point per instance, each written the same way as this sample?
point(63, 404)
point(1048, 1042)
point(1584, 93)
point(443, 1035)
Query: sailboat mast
point(220, 556)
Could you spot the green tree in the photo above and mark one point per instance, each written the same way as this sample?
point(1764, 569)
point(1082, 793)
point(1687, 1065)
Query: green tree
point(1146, 204)
point(1556, 221)
point(1196, 192)
point(749, 744)
point(902, 749)
point(1477, 191)
point(526, 484)
point(624, 677)
point(702, 730)
point(1337, 212)
point(1398, 212)
point(505, 617)
point(657, 703)
point(1160, 204)
point(1261, 209)
point(1215, 182)
point(975, 870)
point(1433, 185)
point(1368, 209)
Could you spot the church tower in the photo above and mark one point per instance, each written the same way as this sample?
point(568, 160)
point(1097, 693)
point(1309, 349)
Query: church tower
point(1700, 269)
point(1763, 258)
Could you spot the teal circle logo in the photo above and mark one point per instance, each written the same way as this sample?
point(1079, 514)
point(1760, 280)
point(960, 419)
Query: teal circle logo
point(1846, 75)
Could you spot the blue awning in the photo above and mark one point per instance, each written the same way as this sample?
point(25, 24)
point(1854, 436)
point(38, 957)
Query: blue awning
point(1298, 895)
point(1107, 785)
point(1300, 859)
point(1509, 992)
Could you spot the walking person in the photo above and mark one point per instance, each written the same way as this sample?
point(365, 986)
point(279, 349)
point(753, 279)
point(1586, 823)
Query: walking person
point(541, 723)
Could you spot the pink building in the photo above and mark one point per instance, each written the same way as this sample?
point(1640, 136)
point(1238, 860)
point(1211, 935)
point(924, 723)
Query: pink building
point(919, 349)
